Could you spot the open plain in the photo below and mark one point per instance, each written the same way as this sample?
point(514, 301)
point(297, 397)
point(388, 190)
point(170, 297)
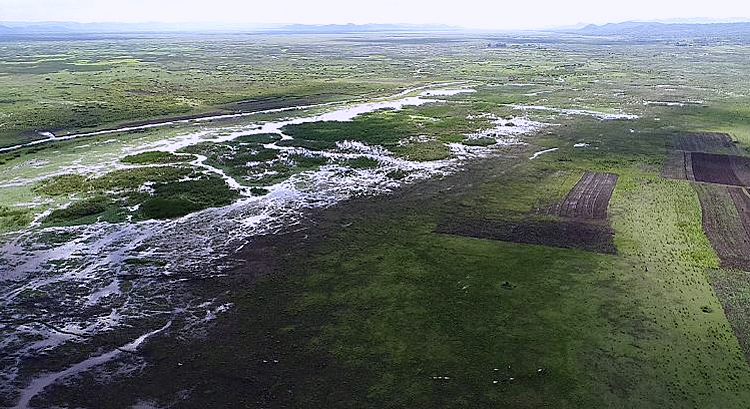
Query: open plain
point(374, 220)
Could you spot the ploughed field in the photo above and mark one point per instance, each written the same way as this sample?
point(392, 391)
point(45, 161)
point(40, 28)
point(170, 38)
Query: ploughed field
point(720, 169)
point(580, 220)
point(589, 198)
point(722, 188)
point(373, 221)
point(721, 178)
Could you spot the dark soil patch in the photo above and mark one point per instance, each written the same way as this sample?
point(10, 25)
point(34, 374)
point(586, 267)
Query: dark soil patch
point(741, 168)
point(719, 168)
point(706, 157)
point(564, 234)
point(741, 199)
point(726, 221)
point(589, 198)
point(706, 142)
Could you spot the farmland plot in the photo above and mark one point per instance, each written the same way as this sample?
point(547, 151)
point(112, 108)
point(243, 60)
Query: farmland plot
point(676, 165)
point(589, 198)
point(564, 234)
point(725, 224)
point(706, 142)
point(581, 220)
point(733, 288)
point(721, 169)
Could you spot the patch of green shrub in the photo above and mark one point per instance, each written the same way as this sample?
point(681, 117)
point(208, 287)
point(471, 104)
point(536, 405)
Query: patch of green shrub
point(167, 208)
point(79, 212)
point(259, 138)
point(479, 142)
point(14, 219)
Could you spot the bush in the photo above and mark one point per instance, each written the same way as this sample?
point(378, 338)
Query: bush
point(78, 210)
point(63, 185)
point(167, 208)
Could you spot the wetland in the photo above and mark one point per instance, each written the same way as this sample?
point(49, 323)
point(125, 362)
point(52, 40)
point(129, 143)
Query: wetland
point(373, 220)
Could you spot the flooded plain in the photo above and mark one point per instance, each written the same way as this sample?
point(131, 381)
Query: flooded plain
point(93, 288)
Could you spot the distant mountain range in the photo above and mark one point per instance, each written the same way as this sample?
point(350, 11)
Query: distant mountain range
point(61, 27)
point(56, 28)
point(348, 28)
point(632, 29)
point(667, 30)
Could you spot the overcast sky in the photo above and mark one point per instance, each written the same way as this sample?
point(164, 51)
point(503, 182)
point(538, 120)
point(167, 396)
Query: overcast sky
point(467, 13)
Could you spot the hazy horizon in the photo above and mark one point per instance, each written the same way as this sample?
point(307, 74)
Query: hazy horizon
point(475, 14)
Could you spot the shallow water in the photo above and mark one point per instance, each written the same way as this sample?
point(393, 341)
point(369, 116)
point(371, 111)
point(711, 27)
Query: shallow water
point(87, 268)
point(537, 154)
point(38, 384)
point(582, 112)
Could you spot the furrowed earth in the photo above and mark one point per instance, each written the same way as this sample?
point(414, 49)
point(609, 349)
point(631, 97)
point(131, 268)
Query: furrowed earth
point(373, 220)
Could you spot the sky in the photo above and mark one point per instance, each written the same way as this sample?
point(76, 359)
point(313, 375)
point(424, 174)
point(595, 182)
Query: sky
point(488, 14)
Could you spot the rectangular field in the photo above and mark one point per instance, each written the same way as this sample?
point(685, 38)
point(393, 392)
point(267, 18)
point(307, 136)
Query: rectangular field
point(564, 234)
point(733, 289)
point(706, 157)
point(588, 199)
point(675, 166)
point(582, 220)
point(731, 170)
point(726, 221)
point(709, 142)
point(720, 169)
point(741, 199)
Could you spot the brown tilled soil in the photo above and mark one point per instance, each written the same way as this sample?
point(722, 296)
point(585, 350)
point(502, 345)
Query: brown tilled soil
point(706, 157)
point(589, 198)
point(726, 221)
point(721, 169)
point(741, 198)
point(566, 234)
point(741, 168)
point(689, 173)
point(582, 220)
point(705, 142)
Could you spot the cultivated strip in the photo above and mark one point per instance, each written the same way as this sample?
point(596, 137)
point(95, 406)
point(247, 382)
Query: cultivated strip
point(589, 198)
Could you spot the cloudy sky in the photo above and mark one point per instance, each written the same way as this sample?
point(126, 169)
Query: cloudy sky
point(467, 13)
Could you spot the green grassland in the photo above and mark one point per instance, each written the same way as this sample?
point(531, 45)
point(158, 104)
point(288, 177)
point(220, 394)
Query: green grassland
point(364, 305)
point(407, 305)
point(386, 313)
point(100, 83)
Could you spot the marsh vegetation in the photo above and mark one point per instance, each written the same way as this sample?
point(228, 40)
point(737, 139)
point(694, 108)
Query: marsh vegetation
point(544, 224)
